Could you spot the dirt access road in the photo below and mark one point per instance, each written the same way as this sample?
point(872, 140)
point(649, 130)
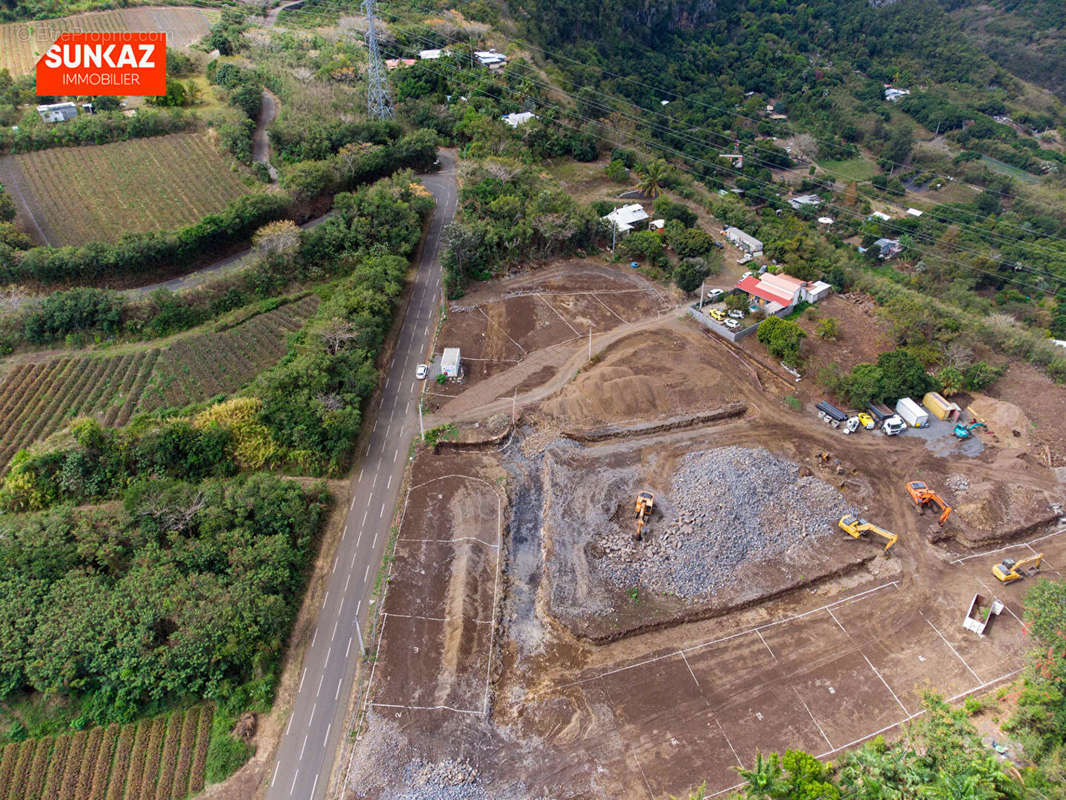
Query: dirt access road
point(315, 729)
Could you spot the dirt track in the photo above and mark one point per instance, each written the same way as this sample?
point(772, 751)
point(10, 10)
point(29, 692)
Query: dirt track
point(652, 713)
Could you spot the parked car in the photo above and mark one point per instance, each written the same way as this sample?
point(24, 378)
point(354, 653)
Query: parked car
point(732, 324)
point(736, 313)
point(421, 371)
point(866, 420)
point(714, 294)
point(717, 314)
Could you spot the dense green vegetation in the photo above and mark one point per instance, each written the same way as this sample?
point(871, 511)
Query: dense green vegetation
point(185, 590)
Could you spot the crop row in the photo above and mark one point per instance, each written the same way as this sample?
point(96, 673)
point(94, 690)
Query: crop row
point(99, 192)
point(162, 758)
point(202, 366)
point(41, 398)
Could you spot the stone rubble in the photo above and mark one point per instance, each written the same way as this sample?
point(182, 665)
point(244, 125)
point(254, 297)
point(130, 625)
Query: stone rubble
point(727, 506)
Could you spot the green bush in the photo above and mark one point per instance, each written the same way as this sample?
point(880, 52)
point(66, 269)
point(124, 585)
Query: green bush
point(82, 310)
point(782, 338)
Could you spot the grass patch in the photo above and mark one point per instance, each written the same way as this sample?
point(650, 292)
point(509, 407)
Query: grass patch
point(1002, 168)
point(852, 169)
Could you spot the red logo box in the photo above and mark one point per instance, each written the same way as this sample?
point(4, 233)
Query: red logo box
point(103, 63)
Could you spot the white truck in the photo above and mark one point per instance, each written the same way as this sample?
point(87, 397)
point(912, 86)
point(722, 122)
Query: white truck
point(912, 413)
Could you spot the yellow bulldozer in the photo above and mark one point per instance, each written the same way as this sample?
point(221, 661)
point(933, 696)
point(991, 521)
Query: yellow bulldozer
point(645, 504)
point(1009, 570)
point(856, 528)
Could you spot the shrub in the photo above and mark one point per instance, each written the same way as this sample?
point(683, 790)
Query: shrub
point(829, 328)
point(74, 311)
point(782, 338)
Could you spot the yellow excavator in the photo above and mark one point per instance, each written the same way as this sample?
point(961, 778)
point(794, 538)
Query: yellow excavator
point(645, 504)
point(856, 527)
point(922, 496)
point(1009, 570)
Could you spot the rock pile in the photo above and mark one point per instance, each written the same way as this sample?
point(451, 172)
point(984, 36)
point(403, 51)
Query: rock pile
point(450, 779)
point(727, 506)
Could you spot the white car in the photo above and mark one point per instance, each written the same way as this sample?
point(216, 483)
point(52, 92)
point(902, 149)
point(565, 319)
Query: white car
point(421, 371)
point(732, 324)
point(736, 313)
point(714, 294)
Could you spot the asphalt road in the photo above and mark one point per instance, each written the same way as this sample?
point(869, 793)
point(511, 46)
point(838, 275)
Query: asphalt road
point(315, 730)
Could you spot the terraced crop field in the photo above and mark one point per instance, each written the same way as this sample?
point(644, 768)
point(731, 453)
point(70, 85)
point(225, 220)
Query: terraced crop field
point(162, 758)
point(203, 366)
point(23, 43)
point(39, 398)
point(73, 195)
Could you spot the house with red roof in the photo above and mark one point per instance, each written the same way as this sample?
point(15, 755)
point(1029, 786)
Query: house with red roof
point(779, 294)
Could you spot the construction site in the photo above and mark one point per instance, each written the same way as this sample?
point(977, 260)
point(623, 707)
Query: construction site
point(640, 559)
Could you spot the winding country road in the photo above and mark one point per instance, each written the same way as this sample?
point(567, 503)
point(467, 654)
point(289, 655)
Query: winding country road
point(315, 729)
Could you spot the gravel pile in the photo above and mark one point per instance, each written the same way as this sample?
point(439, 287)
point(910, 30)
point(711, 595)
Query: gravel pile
point(451, 779)
point(957, 482)
point(727, 506)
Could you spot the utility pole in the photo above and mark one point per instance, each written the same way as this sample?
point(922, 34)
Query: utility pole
point(378, 100)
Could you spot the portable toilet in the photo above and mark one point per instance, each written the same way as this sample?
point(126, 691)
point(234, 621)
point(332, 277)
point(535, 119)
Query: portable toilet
point(941, 408)
point(912, 413)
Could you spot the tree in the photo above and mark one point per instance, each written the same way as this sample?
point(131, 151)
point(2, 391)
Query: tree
point(276, 238)
point(902, 375)
point(979, 376)
point(951, 381)
point(690, 274)
point(652, 176)
point(782, 338)
point(645, 245)
point(829, 328)
point(7, 206)
point(863, 385)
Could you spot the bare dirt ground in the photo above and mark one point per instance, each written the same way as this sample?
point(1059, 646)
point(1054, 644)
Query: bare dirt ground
point(509, 666)
point(545, 313)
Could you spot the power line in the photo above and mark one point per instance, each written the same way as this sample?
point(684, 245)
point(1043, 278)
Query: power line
point(692, 159)
point(378, 100)
point(992, 236)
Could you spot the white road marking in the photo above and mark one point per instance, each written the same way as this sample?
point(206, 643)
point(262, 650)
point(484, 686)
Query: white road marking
point(346, 582)
point(334, 636)
point(348, 649)
point(766, 645)
point(361, 471)
point(345, 534)
point(334, 567)
point(395, 455)
point(837, 621)
point(882, 677)
point(952, 649)
point(313, 787)
point(289, 726)
point(337, 694)
point(364, 519)
point(303, 747)
point(352, 505)
point(367, 573)
point(328, 729)
point(304, 675)
point(357, 605)
point(321, 678)
point(325, 599)
point(381, 513)
point(350, 566)
point(294, 777)
point(314, 638)
point(276, 768)
point(819, 727)
point(359, 633)
point(375, 544)
point(389, 484)
point(388, 428)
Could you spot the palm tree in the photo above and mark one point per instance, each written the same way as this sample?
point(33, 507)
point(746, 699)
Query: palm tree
point(764, 778)
point(651, 177)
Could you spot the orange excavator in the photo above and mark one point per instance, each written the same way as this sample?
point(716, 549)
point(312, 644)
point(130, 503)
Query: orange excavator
point(645, 504)
point(922, 496)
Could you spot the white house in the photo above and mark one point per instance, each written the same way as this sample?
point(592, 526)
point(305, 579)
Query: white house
point(490, 59)
point(743, 240)
point(805, 201)
point(521, 118)
point(895, 95)
point(779, 294)
point(58, 112)
point(626, 218)
point(430, 55)
point(914, 212)
point(450, 362)
point(881, 215)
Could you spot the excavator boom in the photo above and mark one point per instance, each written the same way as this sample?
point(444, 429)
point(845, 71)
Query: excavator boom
point(1010, 570)
point(856, 527)
point(922, 496)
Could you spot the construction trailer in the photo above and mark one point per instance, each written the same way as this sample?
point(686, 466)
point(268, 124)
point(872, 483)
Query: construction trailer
point(940, 407)
point(912, 413)
point(450, 362)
